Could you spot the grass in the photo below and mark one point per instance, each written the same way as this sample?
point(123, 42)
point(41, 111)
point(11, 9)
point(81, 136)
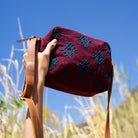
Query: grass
point(123, 108)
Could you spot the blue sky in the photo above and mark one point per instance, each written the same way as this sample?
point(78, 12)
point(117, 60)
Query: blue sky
point(113, 21)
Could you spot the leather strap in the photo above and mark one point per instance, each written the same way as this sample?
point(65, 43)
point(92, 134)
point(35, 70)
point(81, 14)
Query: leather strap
point(107, 127)
point(33, 44)
point(22, 40)
point(30, 69)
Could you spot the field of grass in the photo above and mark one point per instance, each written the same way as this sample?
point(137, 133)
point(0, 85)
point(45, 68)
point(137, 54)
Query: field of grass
point(123, 109)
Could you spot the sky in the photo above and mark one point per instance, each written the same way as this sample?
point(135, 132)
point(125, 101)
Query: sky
point(113, 21)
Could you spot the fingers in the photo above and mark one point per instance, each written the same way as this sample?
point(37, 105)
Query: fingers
point(50, 46)
point(24, 60)
point(25, 56)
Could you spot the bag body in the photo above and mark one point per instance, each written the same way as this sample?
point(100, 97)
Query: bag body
point(80, 64)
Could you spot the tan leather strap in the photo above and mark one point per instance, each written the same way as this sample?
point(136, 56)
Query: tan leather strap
point(33, 45)
point(107, 127)
point(22, 40)
point(30, 69)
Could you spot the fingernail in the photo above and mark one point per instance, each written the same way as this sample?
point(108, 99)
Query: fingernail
point(55, 40)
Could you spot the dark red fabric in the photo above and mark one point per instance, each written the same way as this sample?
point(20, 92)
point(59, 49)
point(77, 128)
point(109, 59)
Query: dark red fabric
point(79, 64)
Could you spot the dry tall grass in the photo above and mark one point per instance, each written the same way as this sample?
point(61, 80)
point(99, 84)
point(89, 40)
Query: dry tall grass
point(124, 121)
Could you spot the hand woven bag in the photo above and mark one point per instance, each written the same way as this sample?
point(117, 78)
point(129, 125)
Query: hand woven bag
point(80, 64)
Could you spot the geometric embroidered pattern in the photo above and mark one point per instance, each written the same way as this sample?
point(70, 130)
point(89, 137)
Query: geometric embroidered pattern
point(98, 57)
point(106, 77)
point(84, 40)
point(84, 68)
point(56, 34)
point(53, 63)
point(69, 49)
point(107, 48)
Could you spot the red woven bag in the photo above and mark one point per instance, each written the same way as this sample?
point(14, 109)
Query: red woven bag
point(80, 64)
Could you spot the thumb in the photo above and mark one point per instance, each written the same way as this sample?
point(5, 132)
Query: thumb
point(50, 46)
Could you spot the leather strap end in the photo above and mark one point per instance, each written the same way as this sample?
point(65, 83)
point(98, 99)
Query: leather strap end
point(23, 40)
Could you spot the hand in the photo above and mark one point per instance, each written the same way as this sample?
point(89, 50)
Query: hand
point(43, 58)
point(37, 94)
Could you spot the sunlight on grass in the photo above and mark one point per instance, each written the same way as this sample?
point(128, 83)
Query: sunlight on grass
point(123, 108)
